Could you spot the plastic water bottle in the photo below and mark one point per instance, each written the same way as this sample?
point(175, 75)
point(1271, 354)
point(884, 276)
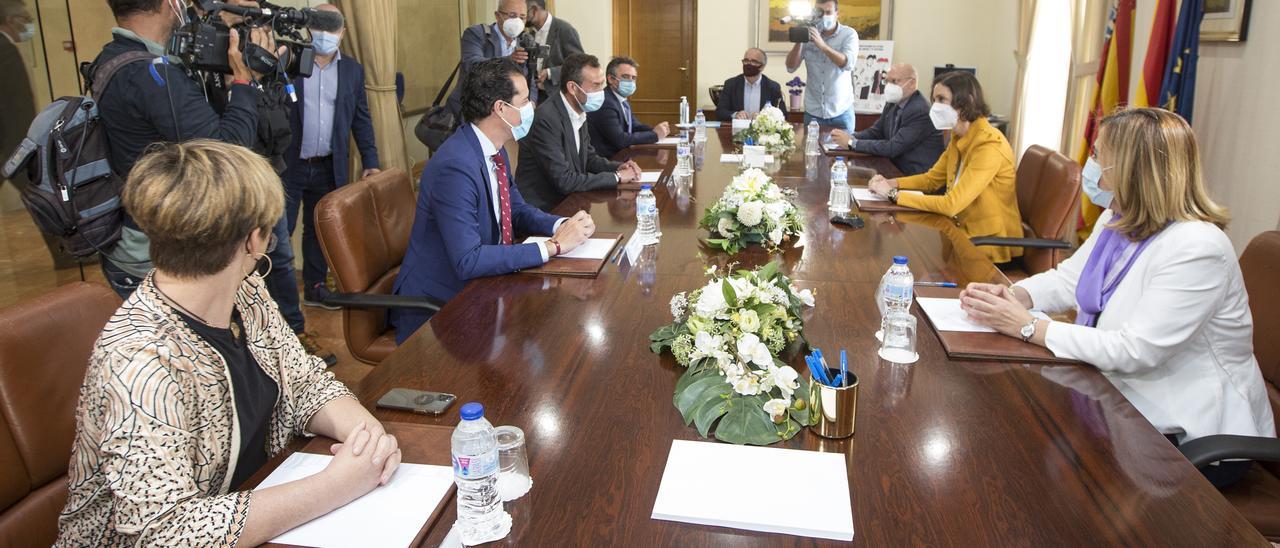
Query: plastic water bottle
point(700, 127)
point(897, 288)
point(811, 147)
point(684, 111)
point(838, 201)
point(684, 156)
point(647, 216)
point(475, 470)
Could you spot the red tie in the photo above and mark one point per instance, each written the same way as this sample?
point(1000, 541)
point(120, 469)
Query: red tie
point(504, 197)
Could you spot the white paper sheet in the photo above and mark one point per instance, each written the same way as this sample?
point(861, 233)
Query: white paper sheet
point(832, 146)
point(650, 176)
point(863, 194)
point(390, 515)
point(946, 315)
point(717, 484)
point(594, 248)
point(669, 141)
point(737, 158)
point(739, 124)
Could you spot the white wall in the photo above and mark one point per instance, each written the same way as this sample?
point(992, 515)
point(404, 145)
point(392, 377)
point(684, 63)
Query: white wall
point(594, 21)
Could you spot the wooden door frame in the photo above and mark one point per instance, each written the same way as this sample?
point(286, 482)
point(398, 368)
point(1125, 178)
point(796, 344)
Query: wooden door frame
point(622, 43)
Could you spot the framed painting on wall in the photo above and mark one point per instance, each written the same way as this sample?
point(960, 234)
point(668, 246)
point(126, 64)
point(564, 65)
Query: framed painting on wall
point(871, 18)
point(1225, 21)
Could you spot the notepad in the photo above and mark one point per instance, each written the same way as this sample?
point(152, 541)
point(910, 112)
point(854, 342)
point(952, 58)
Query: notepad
point(832, 146)
point(740, 124)
point(390, 515)
point(721, 485)
point(946, 315)
point(650, 176)
point(863, 194)
point(594, 248)
point(737, 158)
point(671, 141)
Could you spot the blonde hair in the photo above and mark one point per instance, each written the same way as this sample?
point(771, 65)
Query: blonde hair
point(1155, 172)
point(198, 201)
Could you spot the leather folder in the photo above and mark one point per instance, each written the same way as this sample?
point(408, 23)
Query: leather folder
point(984, 346)
point(578, 268)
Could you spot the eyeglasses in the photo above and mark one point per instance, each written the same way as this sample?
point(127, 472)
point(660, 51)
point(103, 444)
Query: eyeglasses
point(627, 77)
point(513, 15)
point(272, 241)
point(899, 81)
point(752, 62)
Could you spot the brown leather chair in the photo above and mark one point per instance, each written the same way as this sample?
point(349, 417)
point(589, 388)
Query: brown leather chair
point(1257, 495)
point(364, 230)
point(44, 348)
point(715, 92)
point(1048, 187)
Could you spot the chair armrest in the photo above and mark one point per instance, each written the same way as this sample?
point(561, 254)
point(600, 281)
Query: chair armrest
point(1036, 243)
point(1202, 451)
point(366, 300)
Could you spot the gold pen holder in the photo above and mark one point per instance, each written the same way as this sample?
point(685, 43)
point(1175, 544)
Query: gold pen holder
point(834, 408)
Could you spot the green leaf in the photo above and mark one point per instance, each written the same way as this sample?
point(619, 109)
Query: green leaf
point(805, 416)
point(767, 272)
point(666, 332)
point(694, 373)
point(705, 415)
point(730, 296)
point(711, 386)
point(746, 423)
point(659, 346)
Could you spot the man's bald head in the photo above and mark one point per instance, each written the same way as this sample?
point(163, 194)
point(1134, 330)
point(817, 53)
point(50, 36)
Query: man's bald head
point(756, 54)
point(904, 76)
point(334, 9)
point(516, 6)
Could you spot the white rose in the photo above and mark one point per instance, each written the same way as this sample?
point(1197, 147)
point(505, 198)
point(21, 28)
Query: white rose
point(725, 227)
point(775, 236)
point(742, 289)
point(751, 213)
point(785, 379)
point(705, 345)
point(776, 408)
point(711, 301)
point(775, 210)
point(751, 350)
point(749, 321)
point(770, 140)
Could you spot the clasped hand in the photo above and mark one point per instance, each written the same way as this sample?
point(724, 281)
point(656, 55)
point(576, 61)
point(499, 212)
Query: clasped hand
point(996, 306)
point(629, 172)
point(575, 231)
point(880, 186)
point(366, 459)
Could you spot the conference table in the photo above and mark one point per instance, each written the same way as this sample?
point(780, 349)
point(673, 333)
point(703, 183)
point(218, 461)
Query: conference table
point(946, 452)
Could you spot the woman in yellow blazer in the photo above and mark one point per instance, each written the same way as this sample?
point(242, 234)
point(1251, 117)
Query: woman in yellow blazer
point(977, 169)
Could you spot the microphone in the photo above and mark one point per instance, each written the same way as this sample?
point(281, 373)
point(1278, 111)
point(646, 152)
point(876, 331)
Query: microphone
point(323, 20)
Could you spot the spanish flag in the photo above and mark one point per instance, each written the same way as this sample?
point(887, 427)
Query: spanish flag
point(1112, 92)
point(1153, 68)
point(1179, 90)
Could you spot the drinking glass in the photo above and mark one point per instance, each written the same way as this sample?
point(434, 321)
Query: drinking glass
point(899, 344)
point(513, 463)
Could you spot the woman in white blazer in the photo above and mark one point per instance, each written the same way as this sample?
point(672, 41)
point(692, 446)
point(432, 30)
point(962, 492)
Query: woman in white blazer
point(1161, 305)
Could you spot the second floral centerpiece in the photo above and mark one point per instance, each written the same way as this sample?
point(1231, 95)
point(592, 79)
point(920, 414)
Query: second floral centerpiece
point(752, 210)
point(769, 129)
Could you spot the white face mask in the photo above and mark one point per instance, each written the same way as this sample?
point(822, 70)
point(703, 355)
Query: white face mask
point(944, 117)
point(512, 27)
point(892, 93)
point(28, 32)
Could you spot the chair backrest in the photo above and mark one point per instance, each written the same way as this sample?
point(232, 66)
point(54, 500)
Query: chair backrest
point(1048, 187)
point(364, 229)
point(715, 92)
point(45, 345)
point(1260, 265)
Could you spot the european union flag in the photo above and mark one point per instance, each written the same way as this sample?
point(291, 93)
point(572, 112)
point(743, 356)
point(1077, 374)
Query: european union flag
point(1178, 94)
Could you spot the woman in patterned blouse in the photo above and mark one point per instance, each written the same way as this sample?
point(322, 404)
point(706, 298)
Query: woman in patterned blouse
point(197, 380)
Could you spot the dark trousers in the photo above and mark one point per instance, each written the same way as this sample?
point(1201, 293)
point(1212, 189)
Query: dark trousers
point(282, 282)
point(123, 283)
point(306, 183)
point(1223, 474)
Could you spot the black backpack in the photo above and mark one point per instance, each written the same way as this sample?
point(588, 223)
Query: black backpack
point(73, 192)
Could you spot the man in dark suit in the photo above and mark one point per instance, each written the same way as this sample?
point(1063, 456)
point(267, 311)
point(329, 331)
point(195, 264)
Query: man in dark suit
point(904, 133)
point(469, 210)
point(331, 107)
point(563, 40)
point(615, 127)
point(558, 159)
point(480, 42)
point(745, 94)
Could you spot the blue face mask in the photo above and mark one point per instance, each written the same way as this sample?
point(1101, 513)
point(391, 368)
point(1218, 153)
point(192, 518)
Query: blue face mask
point(829, 22)
point(28, 31)
point(526, 121)
point(594, 101)
point(626, 87)
point(1090, 177)
point(325, 43)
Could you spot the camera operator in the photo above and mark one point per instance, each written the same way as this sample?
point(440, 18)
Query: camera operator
point(159, 100)
point(829, 55)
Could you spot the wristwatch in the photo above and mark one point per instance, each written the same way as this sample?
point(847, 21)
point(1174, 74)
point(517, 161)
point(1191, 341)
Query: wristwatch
point(893, 195)
point(1028, 331)
point(617, 178)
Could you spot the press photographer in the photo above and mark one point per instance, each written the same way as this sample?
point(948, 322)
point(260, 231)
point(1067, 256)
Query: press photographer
point(828, 55)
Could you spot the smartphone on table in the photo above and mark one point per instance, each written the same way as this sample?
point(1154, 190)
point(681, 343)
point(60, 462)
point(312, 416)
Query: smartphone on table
point(417, 401)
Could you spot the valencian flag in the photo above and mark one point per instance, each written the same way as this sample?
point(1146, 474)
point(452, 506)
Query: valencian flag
point(1112, 92)
point(1178, 93)
point(1158, 48)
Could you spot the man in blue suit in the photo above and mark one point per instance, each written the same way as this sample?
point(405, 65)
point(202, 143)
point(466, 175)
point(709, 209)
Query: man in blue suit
point(331, 107)
point(614, 127)
point(480, 42)
point(904, 133)
point(744, 95)
point(469, 209)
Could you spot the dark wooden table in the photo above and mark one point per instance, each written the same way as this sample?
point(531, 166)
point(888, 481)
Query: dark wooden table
point(946, 453)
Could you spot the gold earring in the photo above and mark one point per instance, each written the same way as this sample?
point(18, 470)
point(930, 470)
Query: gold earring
point(254, 270)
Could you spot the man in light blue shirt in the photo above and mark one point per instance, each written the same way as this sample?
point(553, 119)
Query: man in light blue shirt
point(829, 56)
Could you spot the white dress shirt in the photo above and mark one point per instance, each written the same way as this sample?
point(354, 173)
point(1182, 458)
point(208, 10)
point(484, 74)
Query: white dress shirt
point(541, 36)
point(578, 119)
point(751, 94)
point(1176, 338)
point(489, 149)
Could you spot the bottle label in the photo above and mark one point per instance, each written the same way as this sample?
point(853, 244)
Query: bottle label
point(475, 467)
point(897, 293)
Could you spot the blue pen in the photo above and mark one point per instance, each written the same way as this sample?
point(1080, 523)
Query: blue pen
point(813, 368)
point(936, 284)
point(844, 368)
point(821, 371)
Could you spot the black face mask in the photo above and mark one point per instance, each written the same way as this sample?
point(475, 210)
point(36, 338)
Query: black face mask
point(751, 71)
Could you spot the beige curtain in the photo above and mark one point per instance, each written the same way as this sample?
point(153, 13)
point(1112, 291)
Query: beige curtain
point(371, 38)
point(1088, 27)
point(1026, 20)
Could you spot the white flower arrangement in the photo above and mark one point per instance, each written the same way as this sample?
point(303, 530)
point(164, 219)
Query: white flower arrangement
point(729, 334)
point(769, 129)
point(752, 210)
